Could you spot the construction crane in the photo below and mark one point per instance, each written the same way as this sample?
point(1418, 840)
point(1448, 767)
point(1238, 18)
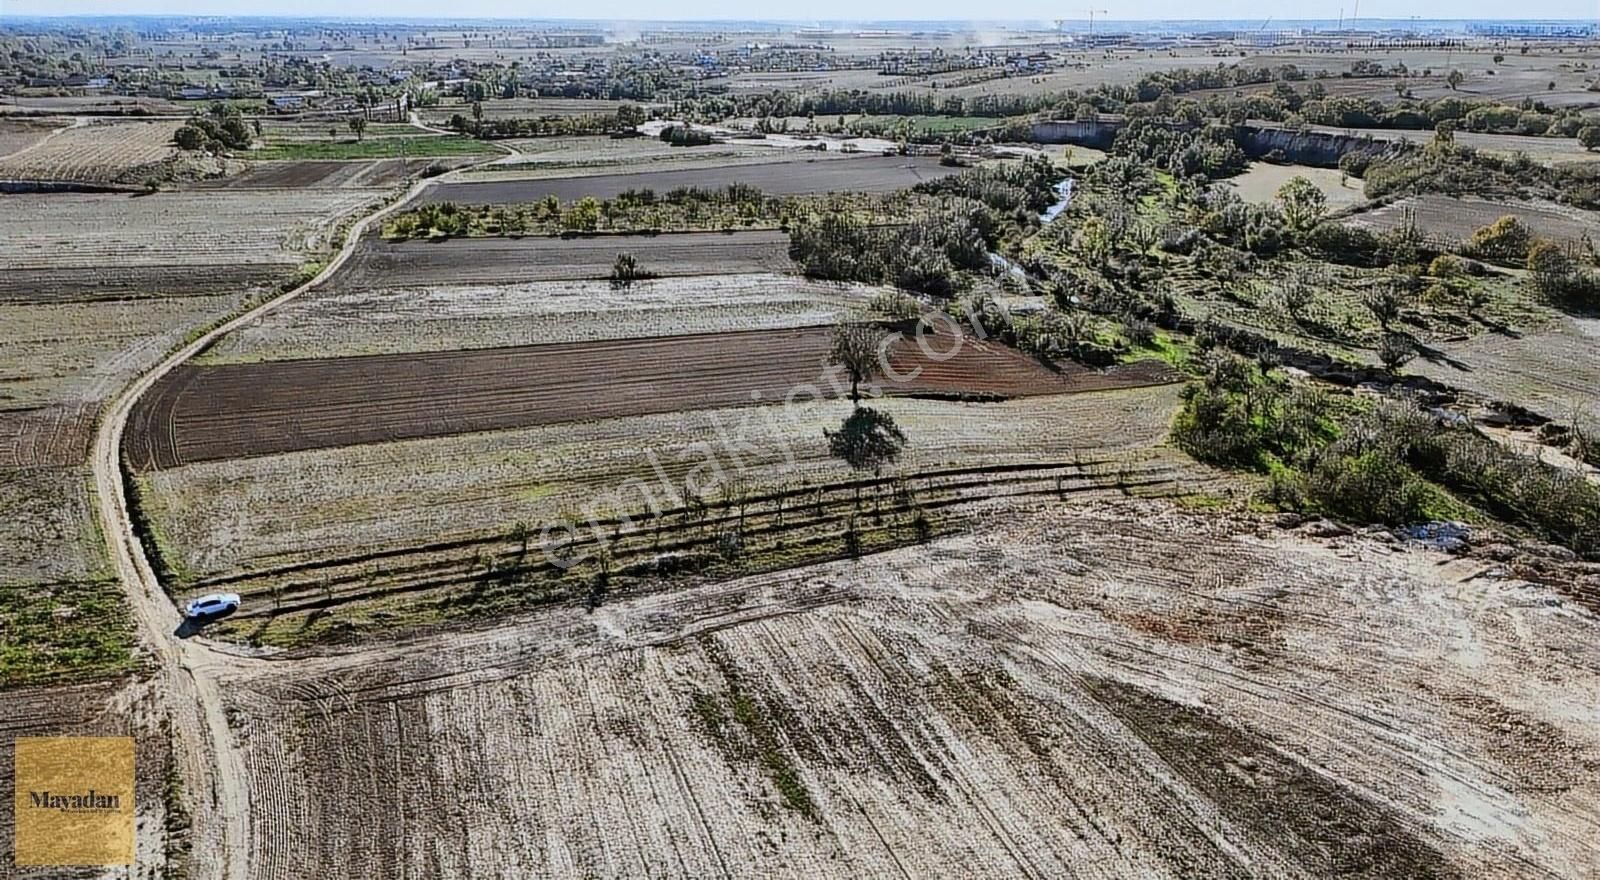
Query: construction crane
point(1091, 13)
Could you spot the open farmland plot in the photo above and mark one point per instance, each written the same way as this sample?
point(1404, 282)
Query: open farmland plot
point(1547, 150)
point(225, 517)
point(379, 264)
point(95, 153)
point(83, 351)
point(505, 108)
point(387, 533)
point(790, 177)
point(343, 323)
point(75, 245)
point(207, 413)
point(1451, 221)
point(1123, 686)
point(21, 134)
point(534, 155)
point(1554, 371)
point(1261, 183)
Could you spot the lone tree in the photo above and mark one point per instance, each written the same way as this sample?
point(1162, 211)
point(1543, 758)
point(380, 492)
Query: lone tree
point(1454, 79)
point(1384, 304)
point(1395, 351)
point(855, 348)
point(358, 125)
point(1302, 203)
point(867, 440)
point(625, 271)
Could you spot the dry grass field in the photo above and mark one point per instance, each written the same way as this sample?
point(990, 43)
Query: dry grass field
point(338, 322)
point(1260, 184)
point(1126, 686)
point(1451, 221)
point(72, 352)
point(782, 176)
point(24, 133)
point(396, 535)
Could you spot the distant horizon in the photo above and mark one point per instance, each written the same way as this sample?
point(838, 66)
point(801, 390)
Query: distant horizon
point(24, 10)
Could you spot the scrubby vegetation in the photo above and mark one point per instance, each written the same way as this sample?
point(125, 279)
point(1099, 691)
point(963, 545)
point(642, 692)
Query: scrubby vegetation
point(736, 206)
point(1389, 461)
point(944, 244)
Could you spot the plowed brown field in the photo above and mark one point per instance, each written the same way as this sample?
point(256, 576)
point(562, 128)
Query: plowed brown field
point(231, 411)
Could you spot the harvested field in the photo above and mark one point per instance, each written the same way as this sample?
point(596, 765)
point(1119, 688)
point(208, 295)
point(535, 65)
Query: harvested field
point(95, 153)
point(791, 177)
point(228, 518)
point(108, 232)
point(344, 323)
point(22, 134)
point(1124, 686)
point(72, 352)
point(47, 534)
point(203, 413)
point(1449, 222)
point(1260, 184)
point(380, 264)
point(1554, 371)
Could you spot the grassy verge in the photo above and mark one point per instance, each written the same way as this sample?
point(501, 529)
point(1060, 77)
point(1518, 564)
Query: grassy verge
point(67, 630)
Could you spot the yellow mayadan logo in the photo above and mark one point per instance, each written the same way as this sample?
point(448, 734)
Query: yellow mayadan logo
point(74, 800)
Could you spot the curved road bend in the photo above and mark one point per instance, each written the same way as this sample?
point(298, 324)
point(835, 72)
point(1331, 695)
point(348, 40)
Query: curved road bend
point(211, 765)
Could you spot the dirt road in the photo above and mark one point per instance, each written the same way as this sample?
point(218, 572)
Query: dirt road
point(208, 754)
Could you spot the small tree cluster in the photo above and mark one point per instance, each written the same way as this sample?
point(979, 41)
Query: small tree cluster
point(220, 128)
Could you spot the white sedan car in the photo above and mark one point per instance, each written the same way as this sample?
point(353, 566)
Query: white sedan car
point(212, 607)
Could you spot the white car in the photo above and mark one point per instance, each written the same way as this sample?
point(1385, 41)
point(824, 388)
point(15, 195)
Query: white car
point(213, 607)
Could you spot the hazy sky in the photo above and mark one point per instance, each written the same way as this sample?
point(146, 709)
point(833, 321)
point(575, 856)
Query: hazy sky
point(812, 10)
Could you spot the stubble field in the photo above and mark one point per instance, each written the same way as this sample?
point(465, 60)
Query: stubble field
point(93, 153)
point(791, 176)
point(1120, 689)
point(389, 320)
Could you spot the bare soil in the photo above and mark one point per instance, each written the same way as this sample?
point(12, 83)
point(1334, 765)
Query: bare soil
point(785, 177)
point(1450, 221)
point(1151, 692)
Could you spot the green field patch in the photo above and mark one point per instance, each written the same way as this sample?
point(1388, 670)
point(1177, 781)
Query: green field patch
point(373, 148)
